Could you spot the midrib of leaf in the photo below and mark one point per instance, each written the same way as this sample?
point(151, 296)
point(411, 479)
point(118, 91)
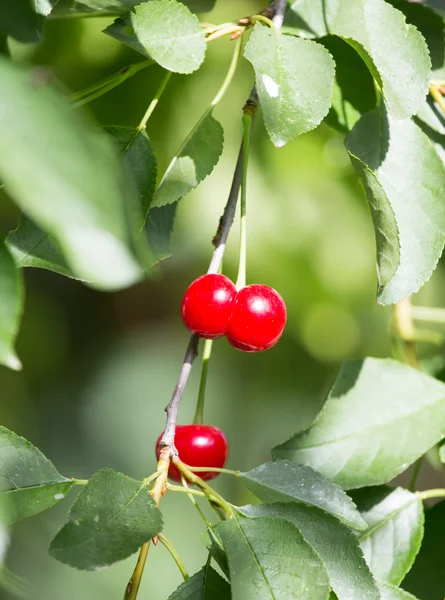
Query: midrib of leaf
point(36, 487)
point(96, 531)
point(46, 236)
point(256, 559)
point(204, 587)
point(384, 521)
point(369, 429)
point(175, 38)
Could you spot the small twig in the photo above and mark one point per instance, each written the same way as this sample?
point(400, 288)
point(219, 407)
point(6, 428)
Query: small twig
point(280, 8)
point(404, 326)
point(172, 550)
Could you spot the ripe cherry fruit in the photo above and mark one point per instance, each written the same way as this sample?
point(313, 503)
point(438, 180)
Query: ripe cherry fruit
point(198, 446)
point(258, 318)
point(207, 305)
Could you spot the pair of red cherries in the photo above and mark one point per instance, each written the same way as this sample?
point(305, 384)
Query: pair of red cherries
point(253, 320)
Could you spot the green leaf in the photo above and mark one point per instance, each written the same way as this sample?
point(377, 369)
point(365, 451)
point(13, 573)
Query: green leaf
point(165, 31)
point(380, 416)
point(426, 579)
point(112, 518)
point(11, 307)
point(19, 19)
point(396, 53)
point(136, 152)
point(294, 79)
point(216, 550)
point(432, 27)
point(395, 530)
point(66, 8)
point(159, 227)
point(284, 481)
point(390, 592)
point(29, 482)
point(270, 560)
point(76, 195)
point(404, 179)
point(348, 572)
point(442, 453)
point(207, 584)
point(354, 91)
point(194, 161)
point(32, 247)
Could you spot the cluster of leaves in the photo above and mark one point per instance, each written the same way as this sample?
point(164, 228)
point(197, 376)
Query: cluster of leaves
point(308, 538)
point(94, 212)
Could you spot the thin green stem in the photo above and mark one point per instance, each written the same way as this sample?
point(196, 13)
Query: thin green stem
point(102, 87)
point(80, 481)
point(229, 30)
point(437, 96)
point(195, 503)
point(185, 490)
point(415, 474)
point(152, 477)
point(263, 19)
point(207, 353)
point(215, 470)
point(431, 314)
point(404, 327)
point(143, 124)
point(241, 279)
point(230, 73)
point(174, 554)
point(427, 494)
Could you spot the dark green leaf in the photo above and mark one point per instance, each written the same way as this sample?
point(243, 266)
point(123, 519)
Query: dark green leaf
point(216, 550)
point(159, 227)
point(165, 31)
point(390, 592)
point(270, 560)
point(432, 27)
point(19, 19)
point(11, 306)
point(13, 585)
point(380, 416)
point(442, 453)
point(426, 579)
point(348, 572)
point(437, 6)
point(395, 530)
point(404, 179)
point(32, 247)
point(294, 80)
point(29, 482)
point(354, 91)
point(205, 585)
point(77, 194)
point(194, 161)
point(111, 518)
point(284, 481)
point(396, 53)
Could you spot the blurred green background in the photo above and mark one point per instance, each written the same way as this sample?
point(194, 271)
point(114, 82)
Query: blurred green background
point(99, 368)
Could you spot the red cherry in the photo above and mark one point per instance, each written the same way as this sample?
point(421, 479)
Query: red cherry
point(207, 305)
point(258, 318)
point(198, 446)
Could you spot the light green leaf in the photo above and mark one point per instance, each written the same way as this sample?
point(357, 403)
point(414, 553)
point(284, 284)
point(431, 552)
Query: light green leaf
point(396, 53)
point(432, 27)
point(164, 30)
point(348, 572)
point(32, 247)
point(395, 530)
point(354, 91)
point(426, 579)
point(380, 416)
point(194, 161)
point(284, 481)
point(270, 560)
point(88, 8)
point(404, 179)
point(111, 518)
point(294, 80)
point(207, 584)
point(76, 194)
point(390, 592)
point(11, 307)
point(29, 482)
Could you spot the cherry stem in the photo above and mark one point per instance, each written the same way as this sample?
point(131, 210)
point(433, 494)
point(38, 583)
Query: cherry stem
point(207, 353)
point(247, 122)
point(215, 470)
point(194, 502)
point(143, 124)
point(263, 19)
point(437, 96)
point(109, 83)
point(427, 494)
point(174, 554)
point(429, 313)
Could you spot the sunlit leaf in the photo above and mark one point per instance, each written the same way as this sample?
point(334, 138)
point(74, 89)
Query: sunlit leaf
point(294, 80)
point(284, 481)
point(380, 416)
